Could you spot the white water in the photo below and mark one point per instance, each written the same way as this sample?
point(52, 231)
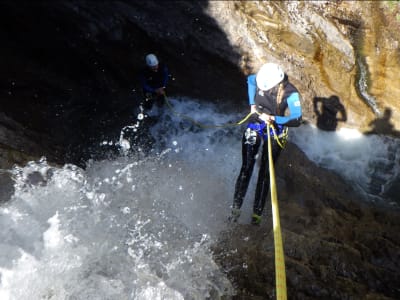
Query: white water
point(370, 163)
point(132, 228)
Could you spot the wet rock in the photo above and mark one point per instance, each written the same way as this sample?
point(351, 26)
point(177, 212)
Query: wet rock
point(336, 246)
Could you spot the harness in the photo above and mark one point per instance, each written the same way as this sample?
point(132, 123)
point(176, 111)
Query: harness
point(271, 102)
point(277, 131)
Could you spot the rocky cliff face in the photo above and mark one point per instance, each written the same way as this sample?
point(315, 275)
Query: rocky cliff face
point(343, 48)
point(68, 78)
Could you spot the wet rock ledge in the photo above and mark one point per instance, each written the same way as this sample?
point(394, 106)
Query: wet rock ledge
point(336, 246)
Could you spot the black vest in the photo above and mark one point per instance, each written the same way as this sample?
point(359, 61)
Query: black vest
point(266, 101)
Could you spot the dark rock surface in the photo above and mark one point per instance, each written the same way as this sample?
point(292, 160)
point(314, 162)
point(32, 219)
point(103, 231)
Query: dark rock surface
point(70, 67)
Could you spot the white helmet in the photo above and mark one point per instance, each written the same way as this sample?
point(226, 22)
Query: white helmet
point(268, 76)
point(151, 60)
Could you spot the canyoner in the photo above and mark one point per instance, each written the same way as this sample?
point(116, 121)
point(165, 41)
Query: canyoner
point(270, 96)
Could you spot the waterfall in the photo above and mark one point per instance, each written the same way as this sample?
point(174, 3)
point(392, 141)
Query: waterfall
point(362, 85)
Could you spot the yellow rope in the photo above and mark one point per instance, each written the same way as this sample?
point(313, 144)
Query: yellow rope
point(280, 273)
point(183, 116)
point(281, 142)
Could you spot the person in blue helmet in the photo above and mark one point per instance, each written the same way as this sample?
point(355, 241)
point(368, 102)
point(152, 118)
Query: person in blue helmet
point(153, 79)
point(270, 96)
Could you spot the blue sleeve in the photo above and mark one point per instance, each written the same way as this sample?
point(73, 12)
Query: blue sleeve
point(165, 76)
point(251, 88)
point(294, 118)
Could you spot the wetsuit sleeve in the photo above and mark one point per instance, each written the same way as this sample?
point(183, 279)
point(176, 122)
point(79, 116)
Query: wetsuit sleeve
point(251, 88)
point(165, 76)
point(294, 118)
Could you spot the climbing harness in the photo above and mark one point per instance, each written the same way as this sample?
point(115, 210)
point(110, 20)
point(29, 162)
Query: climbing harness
point(280, 133)
point(280, 273)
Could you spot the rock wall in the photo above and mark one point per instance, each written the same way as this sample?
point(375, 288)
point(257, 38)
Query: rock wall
point(343, 48)
point(70, 67)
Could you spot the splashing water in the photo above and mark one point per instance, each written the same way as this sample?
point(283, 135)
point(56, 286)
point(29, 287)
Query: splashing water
point(370, 162)
point(141, 228)
point(106, 233)
point(126, 228)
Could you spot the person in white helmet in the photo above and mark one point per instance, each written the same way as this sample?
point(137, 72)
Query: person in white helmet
point(270, 95)
point(154, 79)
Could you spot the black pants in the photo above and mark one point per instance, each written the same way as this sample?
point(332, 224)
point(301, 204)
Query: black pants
point(250, 145)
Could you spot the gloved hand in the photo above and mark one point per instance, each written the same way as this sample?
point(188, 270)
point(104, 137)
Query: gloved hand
point(266, 118)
